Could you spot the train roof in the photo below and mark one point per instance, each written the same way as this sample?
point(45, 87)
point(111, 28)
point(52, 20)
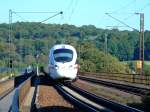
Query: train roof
point(62, 46)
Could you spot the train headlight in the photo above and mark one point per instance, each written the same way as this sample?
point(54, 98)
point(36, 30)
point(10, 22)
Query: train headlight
point(56, 67)
point(70, 66)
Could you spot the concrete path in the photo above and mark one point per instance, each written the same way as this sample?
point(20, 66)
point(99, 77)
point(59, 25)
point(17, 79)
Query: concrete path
point(6, 102)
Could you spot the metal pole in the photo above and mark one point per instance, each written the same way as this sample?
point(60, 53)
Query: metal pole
point(106, 43)
point(142, 41)
point(10, 40)
point(79, 50)
point(10, 30)
point(106, 50)
point(37, 64)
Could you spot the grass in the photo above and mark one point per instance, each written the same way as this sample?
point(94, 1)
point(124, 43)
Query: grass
point(7, 74)
point(126, 62)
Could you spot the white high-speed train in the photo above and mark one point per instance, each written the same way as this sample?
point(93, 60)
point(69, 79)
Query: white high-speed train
point(62, 62)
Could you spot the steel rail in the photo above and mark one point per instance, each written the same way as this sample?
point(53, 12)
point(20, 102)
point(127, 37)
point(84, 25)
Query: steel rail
point(77, 102)
point(4, 94)
point(117, 107)
point(127, 88)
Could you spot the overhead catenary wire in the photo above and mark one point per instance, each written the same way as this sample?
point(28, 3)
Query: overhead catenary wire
point(17, 13)
point(73, 9)
point(132, 14)
point(10, 26)
point(124, 7)
point(148, 4)
point(140, 10)
point(61, 18)
point(121, 22)
point(66, 10)
point(118, 11)
point(19, 16)
point(51, 17)
point(70, 5)
point(34, 12)
point(70, 9)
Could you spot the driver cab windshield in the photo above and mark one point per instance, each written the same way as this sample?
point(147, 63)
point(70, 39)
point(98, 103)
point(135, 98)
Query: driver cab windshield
point(63, 55)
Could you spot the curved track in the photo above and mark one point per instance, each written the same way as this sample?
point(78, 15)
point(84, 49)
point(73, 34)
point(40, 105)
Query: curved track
point(127, 88)
point(85, 101)
point(6, 100)
point(6, 94)
point(80, 101)
point(109, 105)
point(6, 87)
point(64, 95)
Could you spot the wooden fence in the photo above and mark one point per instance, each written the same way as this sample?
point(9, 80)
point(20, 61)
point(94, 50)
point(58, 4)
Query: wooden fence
point(132, 78)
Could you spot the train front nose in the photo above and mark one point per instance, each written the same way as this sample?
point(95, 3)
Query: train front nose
point(66, 72)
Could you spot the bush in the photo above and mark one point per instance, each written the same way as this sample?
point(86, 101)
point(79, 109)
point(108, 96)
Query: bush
point(147, 70)
point(146, 103)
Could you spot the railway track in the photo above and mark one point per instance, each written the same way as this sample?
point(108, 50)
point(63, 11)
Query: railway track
point(81, 102)
point(56, 96)
point(80, 99)
point(49, 99)
point(6, 95)
point(107, 105)
point(123, 87)
point(6, 87)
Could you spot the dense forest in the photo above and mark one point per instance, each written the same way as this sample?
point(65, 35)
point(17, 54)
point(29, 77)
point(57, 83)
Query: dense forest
point(98, 49)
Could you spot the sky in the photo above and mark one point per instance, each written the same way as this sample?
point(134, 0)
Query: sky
point(79, 12)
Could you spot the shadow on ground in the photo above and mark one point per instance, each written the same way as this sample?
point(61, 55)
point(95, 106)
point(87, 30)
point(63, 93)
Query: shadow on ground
point(56, 109)
point(145, 105)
